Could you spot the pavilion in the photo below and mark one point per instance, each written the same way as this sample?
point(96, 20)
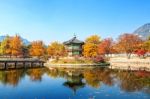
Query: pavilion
point(74, 46)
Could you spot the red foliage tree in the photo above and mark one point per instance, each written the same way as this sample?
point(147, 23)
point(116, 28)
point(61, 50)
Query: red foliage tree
point(106, 46)
point(141, 52)
point(128, 43)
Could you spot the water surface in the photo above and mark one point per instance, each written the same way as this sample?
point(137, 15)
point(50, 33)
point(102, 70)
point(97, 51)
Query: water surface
point(98, 83)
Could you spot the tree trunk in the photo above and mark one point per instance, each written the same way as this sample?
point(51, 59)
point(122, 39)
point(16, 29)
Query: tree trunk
point(128, 55)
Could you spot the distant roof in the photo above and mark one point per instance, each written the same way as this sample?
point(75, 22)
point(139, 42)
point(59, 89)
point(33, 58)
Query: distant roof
point(74, 40)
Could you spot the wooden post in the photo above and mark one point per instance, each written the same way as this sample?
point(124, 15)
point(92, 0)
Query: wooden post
point(31, 64)
point(15, 64)
point(129, 68)
point(24, 65)
point(5, 65)
point(42, 64)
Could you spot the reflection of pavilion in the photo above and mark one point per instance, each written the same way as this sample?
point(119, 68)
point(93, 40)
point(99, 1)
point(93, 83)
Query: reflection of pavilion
point(74, 82)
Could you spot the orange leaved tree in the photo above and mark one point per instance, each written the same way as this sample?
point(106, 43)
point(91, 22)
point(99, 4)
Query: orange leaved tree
point(37, 49)
point(128, 43)
point(56, 49)
point(16, 46)
point(106, 46)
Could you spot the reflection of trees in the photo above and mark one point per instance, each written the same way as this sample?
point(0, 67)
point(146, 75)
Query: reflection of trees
point(130, 82)
point(55, 73)
point(2, 76)
point(105, 76)
point(91, 78)
point(147, 90)
point(11, 77)
point(94, 77)
point(36, 74)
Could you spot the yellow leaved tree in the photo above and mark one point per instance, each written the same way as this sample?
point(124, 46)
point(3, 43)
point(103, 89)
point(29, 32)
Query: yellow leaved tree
point(90, 48)
point(56, 49)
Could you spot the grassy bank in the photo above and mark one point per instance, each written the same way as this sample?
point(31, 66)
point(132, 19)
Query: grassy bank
point(80, 61)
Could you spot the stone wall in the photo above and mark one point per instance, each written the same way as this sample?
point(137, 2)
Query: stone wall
point(132, 64)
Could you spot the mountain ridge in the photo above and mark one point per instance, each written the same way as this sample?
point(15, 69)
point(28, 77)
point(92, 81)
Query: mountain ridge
point(143, 31)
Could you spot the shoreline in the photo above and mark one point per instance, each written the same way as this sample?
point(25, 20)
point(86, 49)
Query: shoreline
point(77, 65)
point(114, 63)
point(105, 64)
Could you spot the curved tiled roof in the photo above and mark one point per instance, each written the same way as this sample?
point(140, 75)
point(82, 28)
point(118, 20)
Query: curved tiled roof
point(74, 40)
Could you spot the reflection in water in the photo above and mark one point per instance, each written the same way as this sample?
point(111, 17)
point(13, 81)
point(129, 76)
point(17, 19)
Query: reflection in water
point(128, 81)
point(11, 77)
point(36, 74)
point(96, 76)
point(132, 81)
point(77, 79)
point(93, 77)
point(74, 82)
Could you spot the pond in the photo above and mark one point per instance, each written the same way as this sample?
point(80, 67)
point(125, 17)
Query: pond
point(60, 83)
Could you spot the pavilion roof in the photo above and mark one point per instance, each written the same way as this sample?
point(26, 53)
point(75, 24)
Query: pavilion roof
point(74, 40)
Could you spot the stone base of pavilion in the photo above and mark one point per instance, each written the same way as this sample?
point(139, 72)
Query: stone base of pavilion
point(77, 65)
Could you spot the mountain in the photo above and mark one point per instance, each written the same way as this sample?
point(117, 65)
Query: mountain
point(25, 41)
point(143, 31)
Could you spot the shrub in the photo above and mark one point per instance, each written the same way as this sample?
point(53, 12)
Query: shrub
point(98, 59)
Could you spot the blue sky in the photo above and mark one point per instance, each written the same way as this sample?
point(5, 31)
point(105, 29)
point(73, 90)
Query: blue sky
point(58, 20)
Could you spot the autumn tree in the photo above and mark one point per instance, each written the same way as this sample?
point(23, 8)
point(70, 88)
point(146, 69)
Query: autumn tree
point(114, 49)
point(143, 48)
point(16, 45)
point(95, 39)
point(37, 49)
point(146, 45)
point(90, 48)
point(141, 52)
point(128, 43)
point(56, 49)
point(4, 47)
point(106, 46)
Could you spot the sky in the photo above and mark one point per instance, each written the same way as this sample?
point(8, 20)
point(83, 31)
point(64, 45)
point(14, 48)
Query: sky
point(59, 20)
